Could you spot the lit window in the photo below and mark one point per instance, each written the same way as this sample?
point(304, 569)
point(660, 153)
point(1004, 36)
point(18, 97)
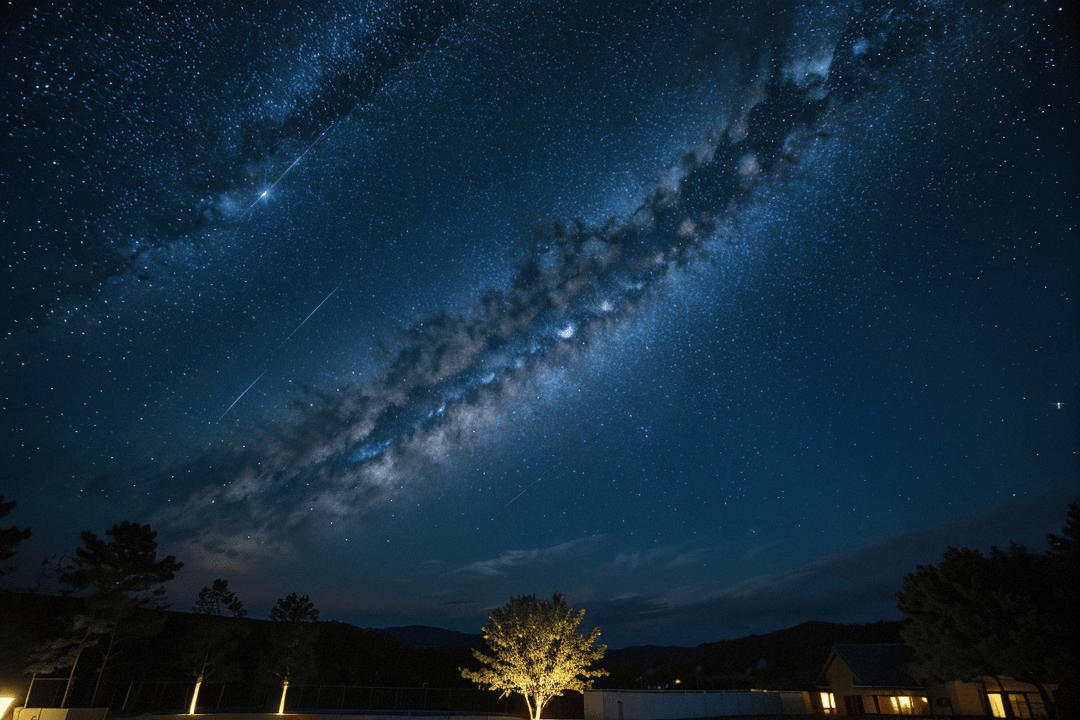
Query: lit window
point(903, 705)
point(997, 708)
point(828, 703)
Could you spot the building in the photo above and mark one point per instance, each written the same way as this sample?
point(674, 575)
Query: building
point(870, 679)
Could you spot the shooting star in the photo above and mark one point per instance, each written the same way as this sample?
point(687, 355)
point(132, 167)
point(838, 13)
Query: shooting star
point(306, 319)
point(278, 348)
point(528, 487)
point(240, 396)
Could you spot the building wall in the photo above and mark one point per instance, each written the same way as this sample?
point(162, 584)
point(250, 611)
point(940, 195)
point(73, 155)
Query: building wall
point(839, 676)
point(964, 698)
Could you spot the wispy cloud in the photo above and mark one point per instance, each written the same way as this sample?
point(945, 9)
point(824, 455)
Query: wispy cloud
point(855, 586)
point(514, 559)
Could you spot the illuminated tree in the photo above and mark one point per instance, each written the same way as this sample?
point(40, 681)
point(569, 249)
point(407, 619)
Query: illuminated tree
point(293, 624)
point(537, 651)
point(10, 538)
point(1005, 613)
point(207, 647)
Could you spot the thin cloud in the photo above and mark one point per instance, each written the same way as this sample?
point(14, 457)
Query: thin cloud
point(515, 559)
point(855, 586)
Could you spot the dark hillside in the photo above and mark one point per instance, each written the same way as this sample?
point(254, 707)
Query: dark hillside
point(433, 637)
point(783, 660)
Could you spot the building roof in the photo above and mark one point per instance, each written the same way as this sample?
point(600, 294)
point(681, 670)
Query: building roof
point(878, 665)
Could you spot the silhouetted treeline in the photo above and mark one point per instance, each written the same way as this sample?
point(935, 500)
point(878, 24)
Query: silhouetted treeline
point(422, 662)
point(343, 654)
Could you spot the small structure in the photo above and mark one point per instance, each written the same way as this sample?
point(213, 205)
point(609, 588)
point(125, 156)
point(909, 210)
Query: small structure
point(685, 704)
point(869, 679)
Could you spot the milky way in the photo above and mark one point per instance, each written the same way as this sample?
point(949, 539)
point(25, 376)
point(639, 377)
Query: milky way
point(456, 375)
point(272, 270)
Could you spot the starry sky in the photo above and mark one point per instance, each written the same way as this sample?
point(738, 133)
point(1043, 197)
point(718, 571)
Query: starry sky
point(716, 317)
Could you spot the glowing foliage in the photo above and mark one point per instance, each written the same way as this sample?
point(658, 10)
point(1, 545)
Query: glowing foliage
point(537, 651)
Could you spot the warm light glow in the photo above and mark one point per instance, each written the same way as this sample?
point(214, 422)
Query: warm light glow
point(195, 696)
point(997, 708)
point(281, 705)
point(828, 703)
point(5, 703)
point(527, 629)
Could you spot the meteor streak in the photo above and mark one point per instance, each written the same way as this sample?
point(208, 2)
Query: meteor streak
point(529, 486)
point(307, 318)
point(278, 348)
point(240, 396)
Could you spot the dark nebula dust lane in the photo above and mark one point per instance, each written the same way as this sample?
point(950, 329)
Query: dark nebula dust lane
point(476, 294)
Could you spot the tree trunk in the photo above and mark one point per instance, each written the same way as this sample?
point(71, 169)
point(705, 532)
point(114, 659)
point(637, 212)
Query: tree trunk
point(71, 675)
point(26, 703)
point(104, 660)
point(195, 696)
point(541, 701)
point(284, 689)
point(67, 688)
point(198, 682)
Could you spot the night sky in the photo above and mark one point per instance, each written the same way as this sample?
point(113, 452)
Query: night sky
point(716, 317)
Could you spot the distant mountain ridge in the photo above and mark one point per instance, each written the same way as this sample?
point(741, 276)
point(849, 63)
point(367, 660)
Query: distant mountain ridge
point(785, 659)
point(425, 636)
